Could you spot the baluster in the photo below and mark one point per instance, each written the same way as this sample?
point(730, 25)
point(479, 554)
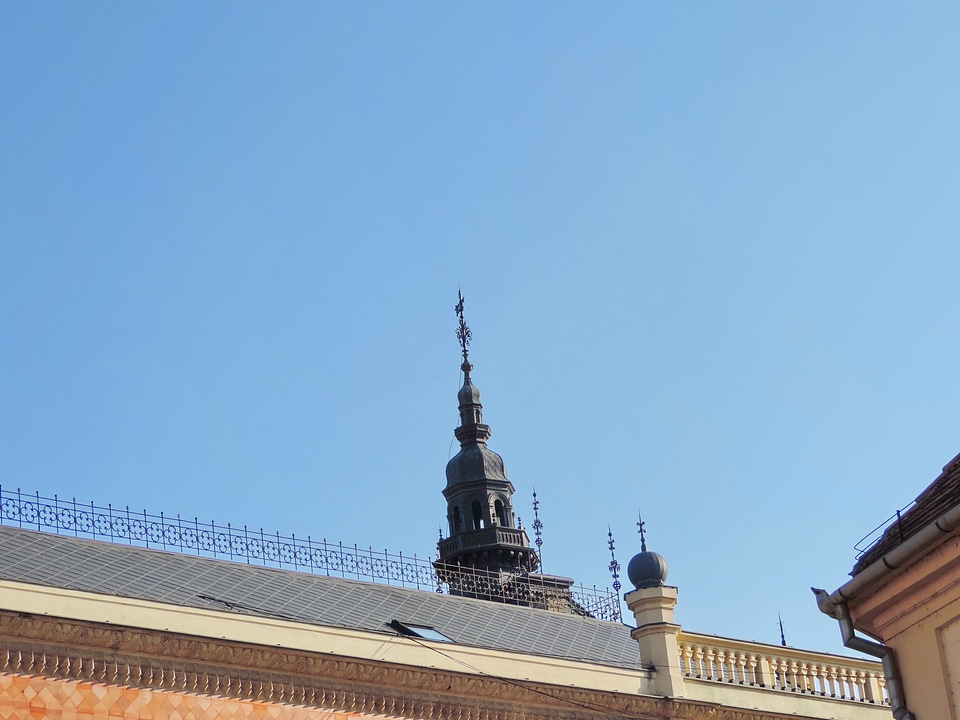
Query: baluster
point(861, 685)
point(723, 665)
point(730, 666)
point(832, 680)
point(737, 663)
point(686, 660)
point(742, 669)
point(812, 678)
point(842, 683)
point(753, 670)
point(698, 659)
point(812, 673)
point(861, 679)
point(847, 684)
point(796, 676)
point(782, 669)
point(882, 682)
point(820, 685)
point(872, 690)
point(768, 671)
point(711, 659)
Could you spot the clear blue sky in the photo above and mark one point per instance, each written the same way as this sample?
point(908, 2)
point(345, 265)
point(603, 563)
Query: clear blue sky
point(709, 253)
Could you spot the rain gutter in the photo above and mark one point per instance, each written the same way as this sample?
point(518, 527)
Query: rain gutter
point(928, 535)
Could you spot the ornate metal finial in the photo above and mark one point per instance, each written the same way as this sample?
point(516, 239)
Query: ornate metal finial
point(463, 332)
point(641, 525)
point(614, 565)
point(783, 638)
point(537, 527)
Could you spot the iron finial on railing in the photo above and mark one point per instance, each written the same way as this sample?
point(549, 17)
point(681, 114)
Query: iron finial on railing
point(537, 527)
point(783, 638)
point(614, 565)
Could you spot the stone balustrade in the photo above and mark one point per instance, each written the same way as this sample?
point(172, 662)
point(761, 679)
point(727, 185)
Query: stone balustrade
point(772, 667)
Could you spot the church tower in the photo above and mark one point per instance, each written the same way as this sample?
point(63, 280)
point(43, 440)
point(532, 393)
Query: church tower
point(483, 530)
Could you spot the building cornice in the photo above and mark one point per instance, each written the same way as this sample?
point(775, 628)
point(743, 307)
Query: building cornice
point(92, 652)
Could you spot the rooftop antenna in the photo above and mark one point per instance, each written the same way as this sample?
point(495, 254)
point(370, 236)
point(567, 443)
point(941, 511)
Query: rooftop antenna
point(463, 332)
point(614, 565)
point(641, 527)
point(537, 528)
point(783, 639)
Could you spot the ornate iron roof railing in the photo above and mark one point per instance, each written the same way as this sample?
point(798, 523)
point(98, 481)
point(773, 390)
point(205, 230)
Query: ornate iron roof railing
point(256, 547)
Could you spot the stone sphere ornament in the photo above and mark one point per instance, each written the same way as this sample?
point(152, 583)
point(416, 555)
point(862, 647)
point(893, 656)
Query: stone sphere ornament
point(647, 570)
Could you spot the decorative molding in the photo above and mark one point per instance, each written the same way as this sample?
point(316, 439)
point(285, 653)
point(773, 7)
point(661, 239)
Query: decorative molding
point(52, 647)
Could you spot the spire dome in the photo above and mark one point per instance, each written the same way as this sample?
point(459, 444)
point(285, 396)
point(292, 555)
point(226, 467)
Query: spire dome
point(469, 394)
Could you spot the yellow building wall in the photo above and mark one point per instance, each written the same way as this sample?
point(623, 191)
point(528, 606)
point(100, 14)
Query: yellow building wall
point(927, 665)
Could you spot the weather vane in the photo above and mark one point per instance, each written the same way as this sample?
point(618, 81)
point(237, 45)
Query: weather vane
point(641, 525)
point(463, 332)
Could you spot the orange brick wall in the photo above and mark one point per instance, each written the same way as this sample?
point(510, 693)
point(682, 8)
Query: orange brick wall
point(26, 697)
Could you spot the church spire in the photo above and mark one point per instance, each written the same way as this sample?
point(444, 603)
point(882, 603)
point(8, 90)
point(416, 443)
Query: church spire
point(483, 528)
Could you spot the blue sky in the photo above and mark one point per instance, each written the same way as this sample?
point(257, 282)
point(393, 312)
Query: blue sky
point(707, 250)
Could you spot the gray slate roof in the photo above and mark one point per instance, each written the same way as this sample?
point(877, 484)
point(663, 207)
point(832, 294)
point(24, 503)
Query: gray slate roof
point(99, 567)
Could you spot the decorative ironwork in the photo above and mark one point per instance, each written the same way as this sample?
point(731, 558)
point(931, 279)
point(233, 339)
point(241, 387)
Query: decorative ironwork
point(641, 527)
point(537, 529)
point(256, 547)
point(783, 638)
point(530, 590)
point(614, 565)
point(463, 332)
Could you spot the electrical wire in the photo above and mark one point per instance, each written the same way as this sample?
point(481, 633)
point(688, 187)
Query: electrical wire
point(524, 686)
point(587, 706)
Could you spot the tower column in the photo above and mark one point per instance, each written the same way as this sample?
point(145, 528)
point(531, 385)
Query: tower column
point(656, 633)
point(652, 605)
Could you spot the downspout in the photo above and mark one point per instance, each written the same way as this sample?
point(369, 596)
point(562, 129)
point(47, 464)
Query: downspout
point(890, 670)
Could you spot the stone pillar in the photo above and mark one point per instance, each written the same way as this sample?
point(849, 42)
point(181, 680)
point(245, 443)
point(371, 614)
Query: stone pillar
point(656, 633)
